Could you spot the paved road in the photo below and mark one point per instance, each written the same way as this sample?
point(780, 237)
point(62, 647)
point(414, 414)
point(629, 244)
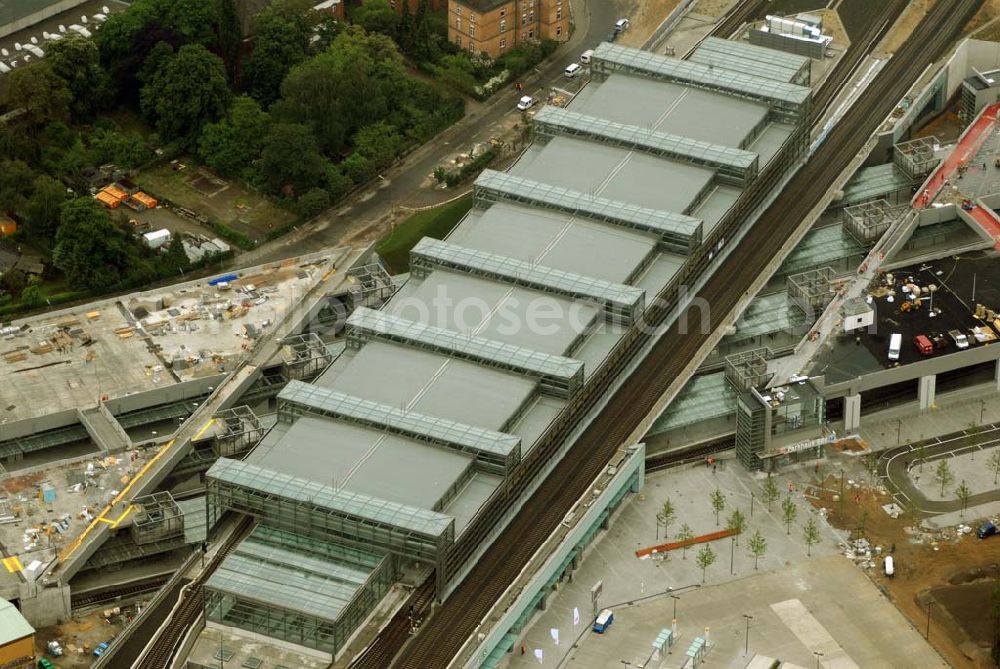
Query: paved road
point(402, 185)
point(894, 464)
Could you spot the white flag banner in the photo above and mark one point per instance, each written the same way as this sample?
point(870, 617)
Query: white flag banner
point(576, 616)
point(539, 655)
point(555, 635)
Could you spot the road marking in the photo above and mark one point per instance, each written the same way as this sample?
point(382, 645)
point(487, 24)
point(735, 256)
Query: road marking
point(119, 519)
point(13, 564)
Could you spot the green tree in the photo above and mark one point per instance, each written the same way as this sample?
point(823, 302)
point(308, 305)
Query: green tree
point(230, 35)
point(379, 142)
point(963, 494)
point(993, 462)
point(736, 522)
point(127, 150)
point(175, 260)
point(290, 160)
point(31, 296)
point(771, 493)
point(810, 534)
point(705, 559)
point(12, 282)
point(42, 94)
point(944, 476)
point(757, 545)
point(42, 209)
point(788, 513)
point(230, 146)
point(921, 454)
point(186, 92)
point(666, 516)
point(376, 16)
point(281, 41)
point(685, 534)
point(16, 181)
point(89, 248)
point(314, 202)
point(718, 500)
point(77, 61)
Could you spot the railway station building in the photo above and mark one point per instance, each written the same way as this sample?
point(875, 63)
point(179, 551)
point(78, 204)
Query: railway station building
point(414, 446)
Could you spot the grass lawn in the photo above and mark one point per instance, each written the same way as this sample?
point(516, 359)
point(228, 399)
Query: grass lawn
point(436, 223)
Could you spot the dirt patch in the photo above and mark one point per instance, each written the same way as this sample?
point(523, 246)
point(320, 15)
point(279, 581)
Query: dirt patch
point(989, 11)
point(970, 606)
point(81, 634)
point(15, 485)
point(714, 8)
point(904, 26)
point(924, 563)
point(645, 17)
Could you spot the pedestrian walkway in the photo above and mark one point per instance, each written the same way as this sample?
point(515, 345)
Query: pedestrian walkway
point(953, 168)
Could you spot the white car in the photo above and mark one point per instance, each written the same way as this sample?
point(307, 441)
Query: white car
point(621, 25)
point(526, 103)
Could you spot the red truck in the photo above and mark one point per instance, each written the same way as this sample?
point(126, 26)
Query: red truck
point(923, 344)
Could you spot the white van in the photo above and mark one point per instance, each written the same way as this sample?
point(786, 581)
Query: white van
point(586, 56)
point(889, 566)
point(895, 341)
point(572, 70)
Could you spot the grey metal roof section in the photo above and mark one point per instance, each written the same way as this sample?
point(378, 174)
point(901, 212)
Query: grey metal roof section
point(615, 57)
point(295, 580)
point(494, 448)
point(767, 314)
point(822, 246)
point(737, 164)
point(871, 183)
point(559, 374)
point(677, 232)
point(386, 513)
point(617, 300)
point(753, 60)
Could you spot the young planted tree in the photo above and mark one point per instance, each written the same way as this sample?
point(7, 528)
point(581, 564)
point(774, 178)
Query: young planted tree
point(771, 493)
point(943, 475)
point(718, 499)
point(994, 464)
point(685, 534)
point(963, 493)
point(736, 522)
point(705, 559)
point(921, 454)
point(788, 513)
point(666, 516)
point(758, 546)
point(810, 534)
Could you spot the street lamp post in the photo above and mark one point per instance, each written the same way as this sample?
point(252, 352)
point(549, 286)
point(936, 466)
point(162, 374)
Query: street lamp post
point(675, 598)
point(818, 655)
point(732, 555)
point(746, 647)
point(751, 504)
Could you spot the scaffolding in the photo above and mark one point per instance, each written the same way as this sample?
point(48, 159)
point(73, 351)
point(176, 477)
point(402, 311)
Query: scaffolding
point(239, 430)
point(748, 369)
point(371, 285)
point(868, 221)
point(305, 355)
point(812, 290)
point(915, 158)
point(157, 518)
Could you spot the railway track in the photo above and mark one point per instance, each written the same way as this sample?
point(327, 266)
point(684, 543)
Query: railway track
point(456, 618)
point(684, 456)
point(117, 593)
point(161, 651)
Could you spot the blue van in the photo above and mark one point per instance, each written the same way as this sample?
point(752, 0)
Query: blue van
point(603, 621)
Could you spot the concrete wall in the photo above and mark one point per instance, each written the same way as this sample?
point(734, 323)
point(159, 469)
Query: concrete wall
point(43, 606)
point(166, 395)
point(931, 366)
point(29, 426)
point(39, 16)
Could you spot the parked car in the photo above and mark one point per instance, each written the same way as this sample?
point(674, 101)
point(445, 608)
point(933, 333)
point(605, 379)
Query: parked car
point(572, 70)
point(586, 56)
point(895, 343)
point(987, 529)
point(603, 621)
point(526, 103)
point(961, 341)
point(621, 25)
point(54, 649)
point(43, 663)
point(101, 649)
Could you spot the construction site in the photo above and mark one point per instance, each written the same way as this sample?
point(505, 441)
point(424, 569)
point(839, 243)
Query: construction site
point(312, 463)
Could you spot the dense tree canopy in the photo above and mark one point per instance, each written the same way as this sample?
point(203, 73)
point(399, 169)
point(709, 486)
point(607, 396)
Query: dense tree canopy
point(90, 249)
point(291, 161)
point(42, 209)
point(230, 146)
point(281, 41)
point(42, 94)
point(377, 16)
point(76, 60)
point(185, 92)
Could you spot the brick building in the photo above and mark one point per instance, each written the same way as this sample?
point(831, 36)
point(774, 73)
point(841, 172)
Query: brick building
point(493, 27)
